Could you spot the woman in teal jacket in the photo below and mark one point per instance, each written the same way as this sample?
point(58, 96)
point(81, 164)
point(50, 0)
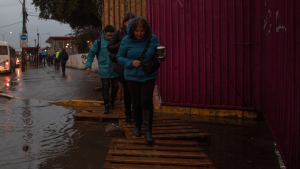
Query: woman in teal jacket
point(140, 85)
point(106, 72)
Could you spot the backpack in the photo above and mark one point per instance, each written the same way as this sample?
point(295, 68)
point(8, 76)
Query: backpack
point(99, 46)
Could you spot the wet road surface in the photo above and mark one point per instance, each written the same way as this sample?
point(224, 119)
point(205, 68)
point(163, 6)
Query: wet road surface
point(48, 84)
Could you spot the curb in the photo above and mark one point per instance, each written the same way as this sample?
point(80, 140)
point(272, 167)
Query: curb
point(78, 103)
point(209, 112)
point(67, 103)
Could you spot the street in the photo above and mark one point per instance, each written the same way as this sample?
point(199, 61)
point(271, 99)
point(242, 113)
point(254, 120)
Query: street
point(48, 84)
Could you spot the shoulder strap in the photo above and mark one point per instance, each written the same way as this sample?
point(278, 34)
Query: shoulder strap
point(145, 49)
point(99, 46)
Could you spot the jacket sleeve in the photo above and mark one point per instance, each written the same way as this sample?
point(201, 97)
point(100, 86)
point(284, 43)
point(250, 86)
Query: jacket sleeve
point(157, 44)
point(122, 55)
point(91, 55)
point(114, 43)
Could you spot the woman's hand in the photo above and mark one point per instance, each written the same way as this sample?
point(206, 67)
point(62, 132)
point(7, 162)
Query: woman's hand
point(164, 55)
point(88, 71)
point(136, 63)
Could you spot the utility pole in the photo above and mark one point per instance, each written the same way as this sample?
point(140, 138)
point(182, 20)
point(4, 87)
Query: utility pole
point(23, 31)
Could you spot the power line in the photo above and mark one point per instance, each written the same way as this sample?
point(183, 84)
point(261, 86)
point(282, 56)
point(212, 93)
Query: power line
point(10, 24)
point(20, 2)
point(9, 5)
point(34, 15)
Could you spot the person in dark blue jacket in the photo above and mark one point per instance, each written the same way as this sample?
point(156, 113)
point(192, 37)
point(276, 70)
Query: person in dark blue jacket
point(113, 48)
point(140, 85)
point(106, 73)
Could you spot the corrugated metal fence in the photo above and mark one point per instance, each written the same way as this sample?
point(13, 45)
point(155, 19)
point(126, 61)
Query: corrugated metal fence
point(115, 10)
point(236, 55)
point(280, 75)
point(212, 48)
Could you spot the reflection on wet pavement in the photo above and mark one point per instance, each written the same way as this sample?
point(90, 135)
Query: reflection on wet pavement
point(48, 84)
point(54, 140)
point(236, 143)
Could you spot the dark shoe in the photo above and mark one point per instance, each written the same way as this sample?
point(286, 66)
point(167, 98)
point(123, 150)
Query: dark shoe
point(148, 118)
point(106, 111)
point(112, 104)
point(137, 130)
point(128, 116)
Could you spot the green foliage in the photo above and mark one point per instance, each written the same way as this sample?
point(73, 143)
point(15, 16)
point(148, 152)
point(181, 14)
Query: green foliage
point(76, 13)
point(89, 32)
point(82, 45)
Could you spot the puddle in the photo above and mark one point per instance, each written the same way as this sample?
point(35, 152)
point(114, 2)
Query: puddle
point(36, 134)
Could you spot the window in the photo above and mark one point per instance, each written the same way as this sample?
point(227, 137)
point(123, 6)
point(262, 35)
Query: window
point(3, 50)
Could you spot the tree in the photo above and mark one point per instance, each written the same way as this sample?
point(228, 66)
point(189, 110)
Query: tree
point(89, 32)
point(82, 45)
point(76, 13)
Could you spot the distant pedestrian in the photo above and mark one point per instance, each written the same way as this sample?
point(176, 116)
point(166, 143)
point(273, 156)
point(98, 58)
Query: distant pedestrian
point(106, 73)
point(40, 60)
point(44, 58)
point(53, 59)
point(113, 48)
point(56, 60)
point(63, 57)
point(140, 83)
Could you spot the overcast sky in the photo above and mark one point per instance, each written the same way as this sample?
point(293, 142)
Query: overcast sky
point(11, 12)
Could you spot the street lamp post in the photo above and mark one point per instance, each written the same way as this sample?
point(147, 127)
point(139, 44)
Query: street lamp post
point(34, 42)
point(38, 58)
point(38, 34)
point(4, 34)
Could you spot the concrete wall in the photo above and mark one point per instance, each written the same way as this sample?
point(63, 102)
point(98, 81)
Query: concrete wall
point(78, 62)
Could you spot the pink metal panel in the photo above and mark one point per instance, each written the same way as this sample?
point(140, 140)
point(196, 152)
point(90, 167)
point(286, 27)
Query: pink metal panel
point(280, 67)
point(209, 46)
point(236, 55)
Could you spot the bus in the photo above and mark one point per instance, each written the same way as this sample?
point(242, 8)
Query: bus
point(7, 57)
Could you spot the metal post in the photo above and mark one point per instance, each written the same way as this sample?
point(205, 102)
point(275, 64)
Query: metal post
point(34, 42)
point(38, 51)
point(23, 31)
point(70, 46)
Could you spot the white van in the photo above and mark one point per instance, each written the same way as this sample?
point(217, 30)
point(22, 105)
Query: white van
point(7, 57)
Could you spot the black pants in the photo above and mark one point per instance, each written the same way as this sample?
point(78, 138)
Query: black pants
point(63, 67)
point(56, 63)
point(141, 97)
point(114, 88)
point(127, 96)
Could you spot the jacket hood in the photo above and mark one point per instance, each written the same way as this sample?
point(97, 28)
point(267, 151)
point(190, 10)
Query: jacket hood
point(103, 36)
point(130, 24)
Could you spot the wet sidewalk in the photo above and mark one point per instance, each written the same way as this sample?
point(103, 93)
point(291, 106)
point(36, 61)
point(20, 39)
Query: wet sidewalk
point(48, 84)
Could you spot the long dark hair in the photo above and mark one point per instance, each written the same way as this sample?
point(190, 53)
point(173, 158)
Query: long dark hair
point(142, 23)
point(126, 18)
